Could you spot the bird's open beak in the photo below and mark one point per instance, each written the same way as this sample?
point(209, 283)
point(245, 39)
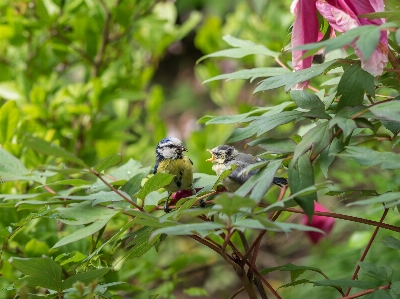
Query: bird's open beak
point(212, 156)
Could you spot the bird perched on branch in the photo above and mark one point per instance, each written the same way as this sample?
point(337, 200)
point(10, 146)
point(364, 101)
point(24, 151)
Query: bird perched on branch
point(170, 159)
point(223, 156)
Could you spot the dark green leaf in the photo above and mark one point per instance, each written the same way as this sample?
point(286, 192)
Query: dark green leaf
point(391, 242)
point(301, 176)
point(230, 205)
point(317, 113)
point(107, 162)
point(41, 272)
point(260, 182)
point(396, 287)
point(347, 125)
point(140, 242)
point(51, 149)
point(306, 100)
point(291, 79)
point(352, 86)
point(379, 273)
point(156, 182)
point(85, 277)
point(295, 283)
point(369, 157)
point(250, 74)
point(132, 186)
point(392, 126)
point(262, 125)
point(275, 146)
point(317, 138)
point(328, 155)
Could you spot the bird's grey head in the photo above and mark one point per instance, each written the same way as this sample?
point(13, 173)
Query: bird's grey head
point(169, 148)
point(222, 154)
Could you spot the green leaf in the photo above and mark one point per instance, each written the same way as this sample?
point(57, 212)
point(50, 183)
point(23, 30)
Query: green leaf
point(328, 155)
point(384, 198)
point(397, 34)
point(102, 196)
point(140, 242)
point(343, 120)
point(317, 138)
point(306, 100)
point(257, 224)
point(232, 119)
point(388, 110)
point(379, 273)
point(301, 176)
point(41, 272)
point(275, 146)
point(345, 283)
point(260, 182)
point(352, 86)
point(11, 169)
point(83, 213)
point(368, 42)
point(85, 277)
point(132, 186)
point(391, 242)
point(242, 49)
point(291, 79)
point(392, 126)
point(156, 182)
point(51, 149)
point(290, 267)
point(263, 124)
point(250, 74)
point(196, 291)
point(295, 283)
point(9, 118)
point(230, 205)
point(108, 162)
point(84, 232)
point(369, 157)
point(395, 287)
point(203, 229)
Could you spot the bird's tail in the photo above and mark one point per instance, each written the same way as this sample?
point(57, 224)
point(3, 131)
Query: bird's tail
point(280, 181)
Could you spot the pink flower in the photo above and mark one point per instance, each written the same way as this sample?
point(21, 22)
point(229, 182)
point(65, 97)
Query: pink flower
point(323, 223)
point(181, 194)
point(342, 16)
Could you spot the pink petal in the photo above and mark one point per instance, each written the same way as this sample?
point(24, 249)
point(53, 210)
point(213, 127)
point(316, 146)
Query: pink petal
point(337, 18)
point(323, 223)
point(377, 62)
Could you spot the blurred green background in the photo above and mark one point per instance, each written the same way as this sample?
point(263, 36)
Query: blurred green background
point(101, 77)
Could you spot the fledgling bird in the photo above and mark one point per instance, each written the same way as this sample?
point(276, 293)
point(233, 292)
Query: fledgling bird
point(170, 159)
point(223, 156)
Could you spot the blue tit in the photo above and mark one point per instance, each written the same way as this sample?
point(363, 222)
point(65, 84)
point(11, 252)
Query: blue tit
point(223, 156)
point(170, 159)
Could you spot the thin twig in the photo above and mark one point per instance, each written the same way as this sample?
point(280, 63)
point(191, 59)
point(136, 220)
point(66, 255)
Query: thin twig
point(237, 293)
point(395, 64)
point(360, 294)
point(367, 248)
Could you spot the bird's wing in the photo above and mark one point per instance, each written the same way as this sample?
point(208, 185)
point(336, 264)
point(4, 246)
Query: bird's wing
point(155, 168)
point(240, 175)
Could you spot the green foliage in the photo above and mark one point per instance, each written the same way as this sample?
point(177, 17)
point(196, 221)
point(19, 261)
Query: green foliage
point(87, 89)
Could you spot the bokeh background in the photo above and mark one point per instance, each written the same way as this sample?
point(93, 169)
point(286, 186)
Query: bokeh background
point(100, 77)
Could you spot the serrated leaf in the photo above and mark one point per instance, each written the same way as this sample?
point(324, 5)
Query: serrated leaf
point(108, 162)
point(51, 149)
point(156, 182)
point(291, 79)
point(345, 283)
point(306, 100)
point(41, 272)
point(317, 138)
point(354, 82)
point(9, 118)
point(369, 157)
point(274, 146)
point(391, 242)
point(301, 176)
point(250, 74)
point(84, 277)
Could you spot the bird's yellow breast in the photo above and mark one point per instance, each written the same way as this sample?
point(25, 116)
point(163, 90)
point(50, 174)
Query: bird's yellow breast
point(183, 171)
